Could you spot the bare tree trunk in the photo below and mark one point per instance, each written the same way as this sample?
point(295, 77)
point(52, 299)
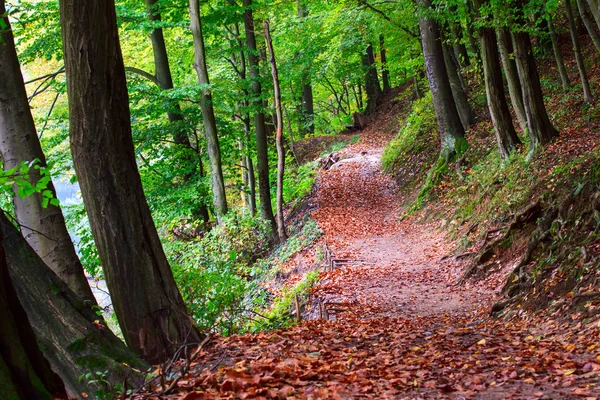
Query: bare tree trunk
point(560, 63)
point(506, 136)
point(43, 225)
point(24, 372)
point(385, 73)
point(278, 137)
point(262, 154)
point(512, 76)
point(540, 128)
point(208, 113)
point(371, 81)
point(70, 335)
point(308, 107)
point(165, 81)
point(149, 307)
point(595, 9)
point(460, 97)
point(587, 93)
point(450, 128)
point(589, 26)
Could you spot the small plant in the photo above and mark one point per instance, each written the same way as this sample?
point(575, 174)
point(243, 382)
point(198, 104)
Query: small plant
point(106, 390)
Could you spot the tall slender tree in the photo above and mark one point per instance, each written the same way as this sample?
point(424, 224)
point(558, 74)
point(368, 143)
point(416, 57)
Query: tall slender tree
point(589, 26)
point(587, 93)
point(262, 153)
point(385, 72)
point(560, 63)
point(278, 135)
point(308, 107)
point(43, 224)
point(372, 86)
point(465, 111)
point(450, 128)
point(208, 113)
point(148, 305)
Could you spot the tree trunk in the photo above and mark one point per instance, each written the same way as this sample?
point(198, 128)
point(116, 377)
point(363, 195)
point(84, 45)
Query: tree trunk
point(506, 136)
point(208, 113)
point(165, 81)
point(589, 26)
point(278, 136)
point(560, 63)
point(587, 93)
point(68, 331)
point(262, 154)
point(540, 128)
point(459, 48)
point(385, 73)
point(24, 372)
point(371, 81)
point(595, 9)
point(43, 227)
point(512, 76)
point(450, 128)
point(148, 305)
point(473, 42)
point(463, 107)
point(308, 107)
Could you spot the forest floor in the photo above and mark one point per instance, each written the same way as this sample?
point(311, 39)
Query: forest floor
point(397, 324)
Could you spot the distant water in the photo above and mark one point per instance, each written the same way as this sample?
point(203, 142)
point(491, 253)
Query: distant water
point(69, 194)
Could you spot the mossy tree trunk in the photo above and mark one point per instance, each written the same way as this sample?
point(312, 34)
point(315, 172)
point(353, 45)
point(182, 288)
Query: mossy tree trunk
point(24, 372)
point(147, 302)
point(450, 128)
point(208, 113)
point(465, 111)
point(69, 332)
point(372, 86)
point(385, 72)
point(43, 226)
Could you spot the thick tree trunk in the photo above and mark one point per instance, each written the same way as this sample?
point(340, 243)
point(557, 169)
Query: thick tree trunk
point(262, 154)
point(308, 107)
point(371, 81)
point(149, 307)
point(385, 73)
point(589, 26)
point(165, 81)
point(512, 76)
point(540, 128)
point(278, 136)
point(461, 99)
point(68, 331)
point(560, 63)
point(505, 132)
point(208, 113)
point(450, 128)
point(43, 227)
point(24, 372)
point(587, 93)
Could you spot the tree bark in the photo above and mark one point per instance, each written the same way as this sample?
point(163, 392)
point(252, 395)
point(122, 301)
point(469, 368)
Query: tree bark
point(308, 106)
point(459, 48)
point(24, 372)
point(560, 63)
point(148, 305)
point(587, 93)
point(450, 128)
point(208, 113)
point(595, 9)
point(540, 128)
point(461, 99)
point(512, 76)
point(506, 136)
point(385, 73)
point(262, 155)
point(43, 227)
point(68, 331)
point(278, 136)
point(372, 86)
point(165, 81)
point(589, 26)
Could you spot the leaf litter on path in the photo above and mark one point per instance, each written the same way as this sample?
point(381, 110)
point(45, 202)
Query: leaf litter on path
point(402, 328)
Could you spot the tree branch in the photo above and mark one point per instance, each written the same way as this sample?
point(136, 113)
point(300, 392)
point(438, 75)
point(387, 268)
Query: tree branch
point(387, 18)
point(143, 74)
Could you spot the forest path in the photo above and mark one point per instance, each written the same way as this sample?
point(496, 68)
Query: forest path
point(387, 268)
point(399, 328)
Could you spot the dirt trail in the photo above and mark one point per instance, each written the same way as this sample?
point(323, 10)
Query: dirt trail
point(399, 327)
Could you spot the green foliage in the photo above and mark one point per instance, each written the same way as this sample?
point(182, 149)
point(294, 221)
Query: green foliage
point(413, 136)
